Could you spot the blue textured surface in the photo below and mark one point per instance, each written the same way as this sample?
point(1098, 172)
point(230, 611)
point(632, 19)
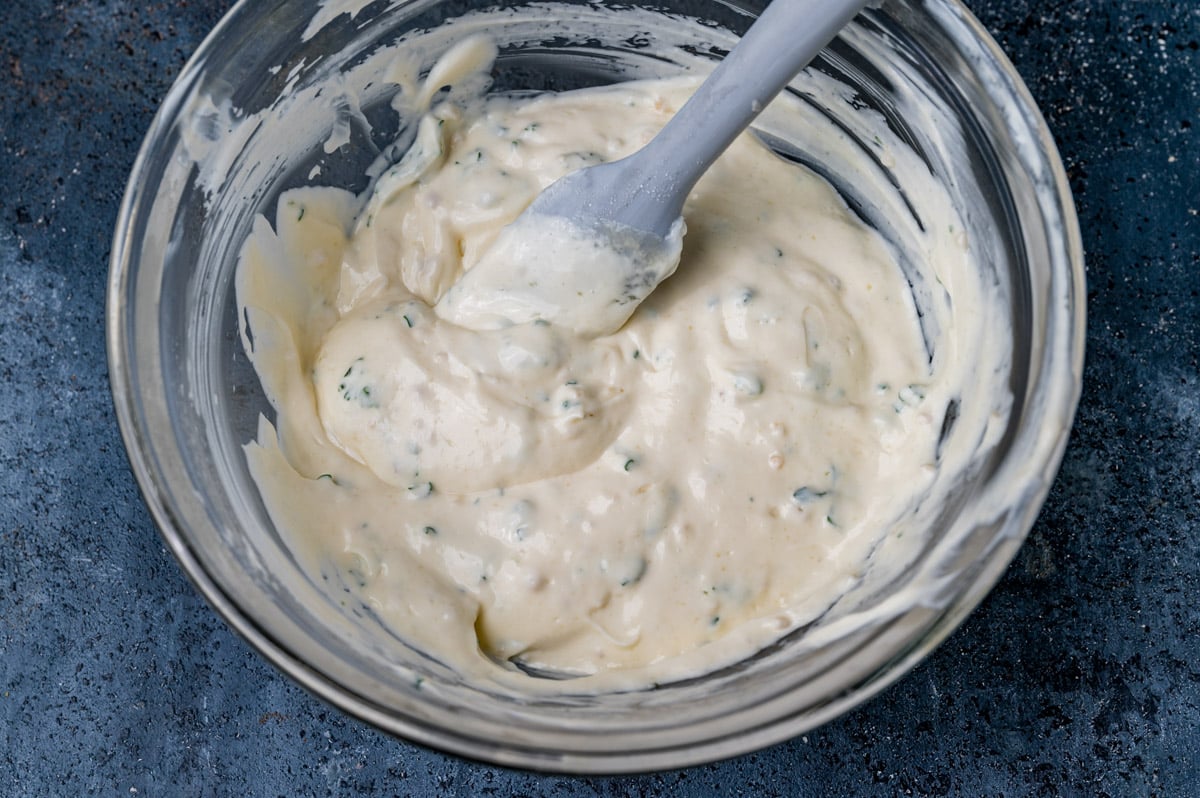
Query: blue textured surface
point(1079, 675)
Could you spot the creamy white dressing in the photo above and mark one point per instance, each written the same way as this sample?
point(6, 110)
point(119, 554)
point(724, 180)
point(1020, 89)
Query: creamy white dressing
point(626, 508)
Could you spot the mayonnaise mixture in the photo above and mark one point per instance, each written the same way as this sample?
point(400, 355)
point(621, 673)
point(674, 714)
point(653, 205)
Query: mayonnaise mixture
point(642, 506)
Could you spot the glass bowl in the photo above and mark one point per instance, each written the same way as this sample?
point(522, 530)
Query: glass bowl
point(224, 146)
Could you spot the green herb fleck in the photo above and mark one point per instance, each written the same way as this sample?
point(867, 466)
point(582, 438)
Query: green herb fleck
point(630, 463)
point(748, 384)
point(636, 576)
point(806, 494)
point(429, 530)
point(407, 321)
point(354, 387)
point(910, 396)
point(421, 490)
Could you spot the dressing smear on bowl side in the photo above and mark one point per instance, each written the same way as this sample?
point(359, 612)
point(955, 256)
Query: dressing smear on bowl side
point(623, 509)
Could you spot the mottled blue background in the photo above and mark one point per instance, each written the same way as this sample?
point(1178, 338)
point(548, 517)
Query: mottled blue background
point(1079, 675)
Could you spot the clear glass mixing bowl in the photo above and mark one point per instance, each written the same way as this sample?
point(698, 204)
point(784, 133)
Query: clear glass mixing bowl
point(187, 399)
